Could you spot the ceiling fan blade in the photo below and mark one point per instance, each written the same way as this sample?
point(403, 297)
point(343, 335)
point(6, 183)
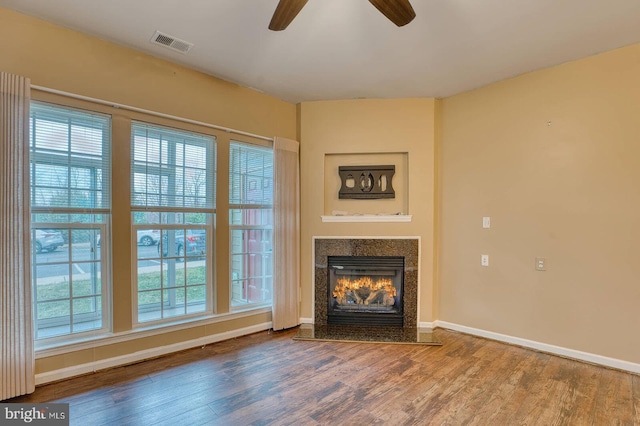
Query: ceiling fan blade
point(399, 12)
point(284, 14)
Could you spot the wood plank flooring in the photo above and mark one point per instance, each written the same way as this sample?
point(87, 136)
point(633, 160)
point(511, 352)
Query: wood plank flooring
point(270, 379)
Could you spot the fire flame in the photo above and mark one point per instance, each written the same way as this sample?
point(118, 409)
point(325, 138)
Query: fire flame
point(347, 287)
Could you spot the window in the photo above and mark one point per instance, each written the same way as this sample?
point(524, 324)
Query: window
point(173, 193)
point(251, 220)
point(70, 208)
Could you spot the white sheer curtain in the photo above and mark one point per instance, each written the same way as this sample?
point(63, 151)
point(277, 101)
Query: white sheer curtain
point(16, 329)
point(286, 234)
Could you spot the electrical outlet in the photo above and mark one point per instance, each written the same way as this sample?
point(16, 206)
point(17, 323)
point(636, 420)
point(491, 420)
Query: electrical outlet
point(541, 264)
point(486, 222)
point(484, 260)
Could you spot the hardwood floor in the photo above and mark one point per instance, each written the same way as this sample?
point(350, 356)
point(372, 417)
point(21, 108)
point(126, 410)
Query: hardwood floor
point(267, 378)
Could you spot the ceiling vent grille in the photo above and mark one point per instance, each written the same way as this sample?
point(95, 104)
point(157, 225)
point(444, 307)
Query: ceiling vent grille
point(171, 42)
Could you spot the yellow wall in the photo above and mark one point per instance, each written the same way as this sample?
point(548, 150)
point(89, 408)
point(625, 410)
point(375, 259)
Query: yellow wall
point(553, 157)
point(62, 59)
point(369, 126)
point(65, 60)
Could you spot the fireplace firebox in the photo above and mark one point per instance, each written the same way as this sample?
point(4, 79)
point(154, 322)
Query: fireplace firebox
point(365, 290)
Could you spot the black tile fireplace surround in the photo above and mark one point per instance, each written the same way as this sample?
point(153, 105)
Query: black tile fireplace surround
point(406, 248)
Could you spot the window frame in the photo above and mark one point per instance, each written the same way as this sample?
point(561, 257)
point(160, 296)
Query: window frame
point(48, 156)
point(242, 207)
point(117, 275)
point(165, 170)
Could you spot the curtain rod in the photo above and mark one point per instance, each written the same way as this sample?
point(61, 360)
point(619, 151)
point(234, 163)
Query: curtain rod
point(146, 111)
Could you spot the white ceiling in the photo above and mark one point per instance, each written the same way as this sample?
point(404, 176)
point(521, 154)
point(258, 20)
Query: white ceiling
point(342, 49)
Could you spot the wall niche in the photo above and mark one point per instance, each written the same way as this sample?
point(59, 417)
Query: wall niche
point(396, 206)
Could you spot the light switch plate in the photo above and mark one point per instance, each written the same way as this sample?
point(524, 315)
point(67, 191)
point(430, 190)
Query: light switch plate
point(486, 222)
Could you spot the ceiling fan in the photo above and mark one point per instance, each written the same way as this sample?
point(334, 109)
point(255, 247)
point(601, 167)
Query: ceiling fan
point(399, 12)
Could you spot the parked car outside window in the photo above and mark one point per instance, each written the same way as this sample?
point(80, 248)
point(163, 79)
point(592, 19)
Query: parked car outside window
point(47, 240)
point(148, 237)
point(195, 245)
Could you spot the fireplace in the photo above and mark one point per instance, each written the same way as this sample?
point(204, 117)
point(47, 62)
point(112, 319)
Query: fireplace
point(365, 290)
point(405, 277)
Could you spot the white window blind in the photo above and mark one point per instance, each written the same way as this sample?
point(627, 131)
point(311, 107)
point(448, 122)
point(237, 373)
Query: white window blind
point(70, 160)
point(171, 169)
point(251, 175)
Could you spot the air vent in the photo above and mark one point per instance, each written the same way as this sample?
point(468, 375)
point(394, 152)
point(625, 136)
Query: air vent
point(171, 42)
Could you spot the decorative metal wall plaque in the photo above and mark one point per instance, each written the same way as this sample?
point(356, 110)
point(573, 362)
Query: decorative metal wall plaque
point(366, 182)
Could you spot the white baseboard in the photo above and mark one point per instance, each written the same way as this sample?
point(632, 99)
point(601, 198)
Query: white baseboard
point(306, 320)
point(429, 325)
point(544, 347)
point(91, 367)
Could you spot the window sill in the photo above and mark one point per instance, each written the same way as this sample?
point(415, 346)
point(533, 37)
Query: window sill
point(367, 218)
point(112, 338)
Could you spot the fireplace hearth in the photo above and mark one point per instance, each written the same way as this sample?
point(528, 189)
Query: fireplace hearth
point(365, 290)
